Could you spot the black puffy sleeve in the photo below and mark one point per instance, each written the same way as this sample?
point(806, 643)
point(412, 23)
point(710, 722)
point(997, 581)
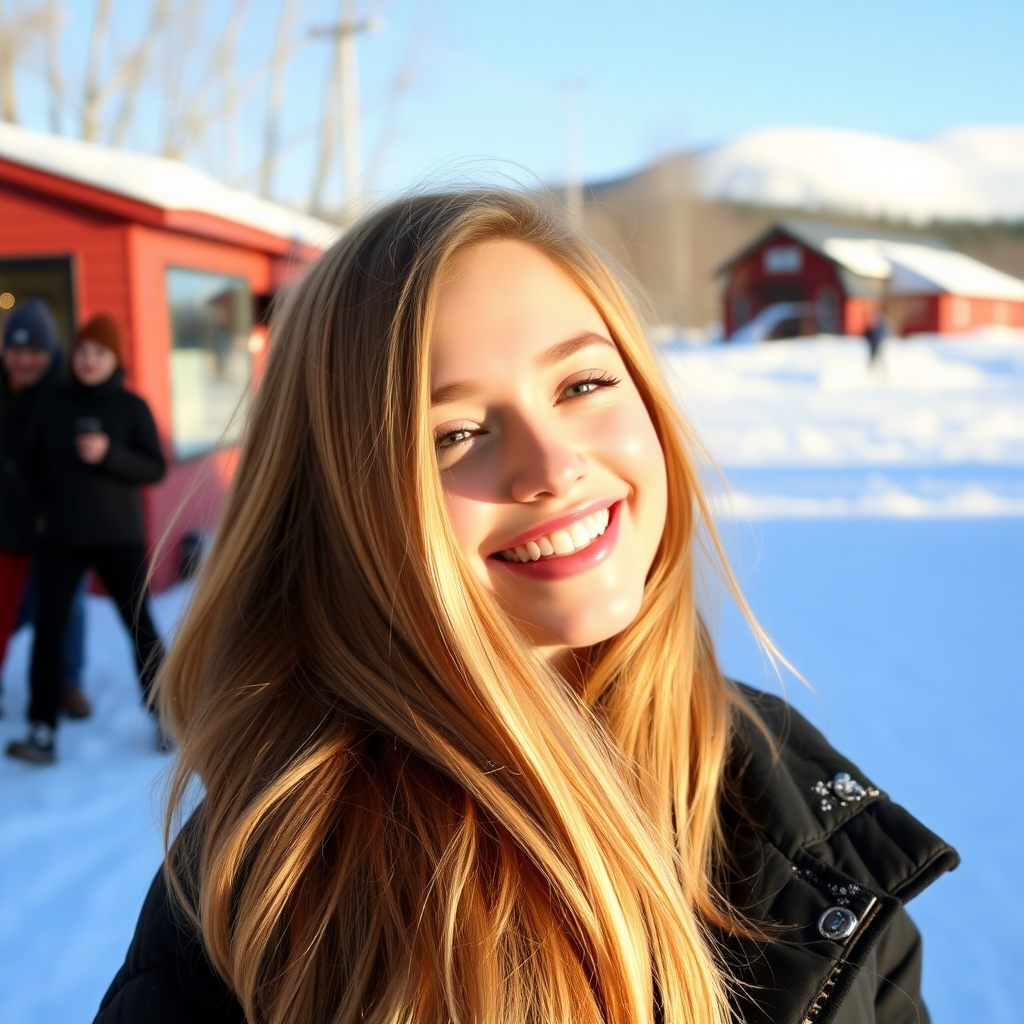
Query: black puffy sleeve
point(141, 461)
point(167, 977)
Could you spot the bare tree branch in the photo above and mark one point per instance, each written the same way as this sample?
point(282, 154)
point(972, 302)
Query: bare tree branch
point(20, 29)
point(54, 79)
point(400, 85)
point(186, 73)
point(279, 59)
point(193, 123)
point(8, 89)
point(177, 47)
point(91, 94)
point(329, 115)
point(135, 68)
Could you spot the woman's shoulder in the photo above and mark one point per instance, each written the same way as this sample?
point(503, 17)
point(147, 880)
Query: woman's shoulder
point(804, 794)
point(820, 855)
point(167, 977)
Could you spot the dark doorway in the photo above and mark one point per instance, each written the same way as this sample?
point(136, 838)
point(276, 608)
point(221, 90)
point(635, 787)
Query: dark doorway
point(50, 279)
point(769, 294)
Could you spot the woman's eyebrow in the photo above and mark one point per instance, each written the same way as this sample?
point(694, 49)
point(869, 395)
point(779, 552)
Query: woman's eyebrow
point(562, 350)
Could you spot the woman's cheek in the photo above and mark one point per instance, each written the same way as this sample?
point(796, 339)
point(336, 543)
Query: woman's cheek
point(471, 526)
point(626, 441)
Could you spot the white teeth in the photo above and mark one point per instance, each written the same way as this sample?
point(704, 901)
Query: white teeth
point(580, 537)
point(562, 542)
point(574, 537)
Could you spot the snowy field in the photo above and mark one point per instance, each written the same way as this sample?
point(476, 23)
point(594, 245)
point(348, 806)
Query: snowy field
point(877, 524)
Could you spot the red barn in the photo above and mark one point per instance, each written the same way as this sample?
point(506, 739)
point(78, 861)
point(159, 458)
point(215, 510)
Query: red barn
point(185, 264)
point(835, 280)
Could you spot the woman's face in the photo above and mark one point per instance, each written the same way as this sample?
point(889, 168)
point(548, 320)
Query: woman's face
point(554, 476)
point(93, 363)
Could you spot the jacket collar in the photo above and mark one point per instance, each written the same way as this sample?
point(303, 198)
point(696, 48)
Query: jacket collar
point(115, 382)
point(822, 858)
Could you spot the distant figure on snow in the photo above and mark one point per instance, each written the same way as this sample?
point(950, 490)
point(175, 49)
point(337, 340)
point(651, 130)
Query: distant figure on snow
point(874, 334)
point(95, 450)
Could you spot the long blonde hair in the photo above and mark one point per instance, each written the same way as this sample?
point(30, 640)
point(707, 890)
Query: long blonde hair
point(407, 816)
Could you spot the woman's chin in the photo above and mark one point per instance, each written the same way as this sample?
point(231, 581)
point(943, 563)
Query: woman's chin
point(593, 623)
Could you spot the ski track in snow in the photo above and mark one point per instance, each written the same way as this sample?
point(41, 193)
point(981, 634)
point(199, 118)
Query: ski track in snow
point(877, 524)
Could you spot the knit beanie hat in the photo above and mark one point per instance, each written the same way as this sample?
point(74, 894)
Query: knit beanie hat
point(102, 329)
point(31, 325)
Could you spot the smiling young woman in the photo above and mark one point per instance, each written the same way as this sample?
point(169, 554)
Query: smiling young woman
point(466, 750)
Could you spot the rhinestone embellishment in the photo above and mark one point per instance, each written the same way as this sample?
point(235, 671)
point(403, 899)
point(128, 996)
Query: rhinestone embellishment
point(841, 789)
point(837, 923)
point(845, 787)
point(842, 894)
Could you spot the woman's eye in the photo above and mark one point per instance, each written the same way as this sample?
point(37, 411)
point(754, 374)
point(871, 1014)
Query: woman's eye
point(589, 386)
point(453, 438)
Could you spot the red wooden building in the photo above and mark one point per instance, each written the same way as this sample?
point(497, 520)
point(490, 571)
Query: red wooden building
point(836, 280)
point(185, 265)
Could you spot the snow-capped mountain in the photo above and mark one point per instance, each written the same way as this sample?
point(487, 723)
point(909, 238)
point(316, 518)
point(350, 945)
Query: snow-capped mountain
point(971, 173)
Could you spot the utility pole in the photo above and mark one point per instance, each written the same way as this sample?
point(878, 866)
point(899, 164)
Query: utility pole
point(347, 80)
point(573, 161)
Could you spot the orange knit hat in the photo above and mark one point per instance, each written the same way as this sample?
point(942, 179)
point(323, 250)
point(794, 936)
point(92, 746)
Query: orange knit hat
point(104, 330)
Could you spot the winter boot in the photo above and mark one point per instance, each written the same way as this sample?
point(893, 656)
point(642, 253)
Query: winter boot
point(37, 748)
point(75, 703)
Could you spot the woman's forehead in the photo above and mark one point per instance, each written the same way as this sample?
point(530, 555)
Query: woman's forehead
point(507, 304)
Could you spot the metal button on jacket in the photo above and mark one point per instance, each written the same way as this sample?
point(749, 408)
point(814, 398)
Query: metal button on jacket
point(837, 923)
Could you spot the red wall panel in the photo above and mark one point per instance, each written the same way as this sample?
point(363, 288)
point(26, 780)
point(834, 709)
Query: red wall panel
point(36, 225)
point(119, 267)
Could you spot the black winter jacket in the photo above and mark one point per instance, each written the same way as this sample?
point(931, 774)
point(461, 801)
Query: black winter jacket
point(822, 857)
point(21, 413)
point(97, 504)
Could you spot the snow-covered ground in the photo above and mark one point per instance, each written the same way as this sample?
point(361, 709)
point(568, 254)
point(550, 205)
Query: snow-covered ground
point(877, 523)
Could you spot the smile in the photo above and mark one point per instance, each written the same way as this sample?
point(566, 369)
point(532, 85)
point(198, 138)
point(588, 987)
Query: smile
point(559, 543)
point(574, 547)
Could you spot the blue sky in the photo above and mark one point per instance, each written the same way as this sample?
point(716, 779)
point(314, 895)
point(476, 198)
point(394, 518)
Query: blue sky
point(487, 78)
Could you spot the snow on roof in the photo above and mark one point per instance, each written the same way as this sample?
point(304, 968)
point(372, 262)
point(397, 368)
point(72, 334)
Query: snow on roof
point(974, 173)
point(859, 255)
point(915, 268)
point(157, 181)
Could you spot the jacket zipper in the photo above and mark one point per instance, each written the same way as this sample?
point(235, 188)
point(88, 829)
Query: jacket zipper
point(821, 999)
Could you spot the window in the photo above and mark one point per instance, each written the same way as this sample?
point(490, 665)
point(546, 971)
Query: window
point(828, 311)
point(783, 259)
point(49, 279)
point(211, 320)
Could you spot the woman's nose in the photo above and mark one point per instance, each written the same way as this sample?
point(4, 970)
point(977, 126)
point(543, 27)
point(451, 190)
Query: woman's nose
point(543, 464)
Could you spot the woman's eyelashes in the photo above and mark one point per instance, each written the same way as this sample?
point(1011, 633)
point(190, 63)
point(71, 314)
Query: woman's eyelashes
point(595, 381)
point(453, 438)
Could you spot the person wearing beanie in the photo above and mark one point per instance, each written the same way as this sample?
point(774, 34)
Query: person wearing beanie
point(96, 449)
point(30, 366)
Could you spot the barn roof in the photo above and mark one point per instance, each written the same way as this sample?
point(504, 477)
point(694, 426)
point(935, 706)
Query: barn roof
point(158, 182)
point(910, 264)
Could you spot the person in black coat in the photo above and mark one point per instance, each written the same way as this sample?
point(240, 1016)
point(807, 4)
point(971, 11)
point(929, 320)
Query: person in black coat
point(96, 448)
point(30, 372)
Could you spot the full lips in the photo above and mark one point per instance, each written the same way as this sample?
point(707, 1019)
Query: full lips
point(557, 567)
